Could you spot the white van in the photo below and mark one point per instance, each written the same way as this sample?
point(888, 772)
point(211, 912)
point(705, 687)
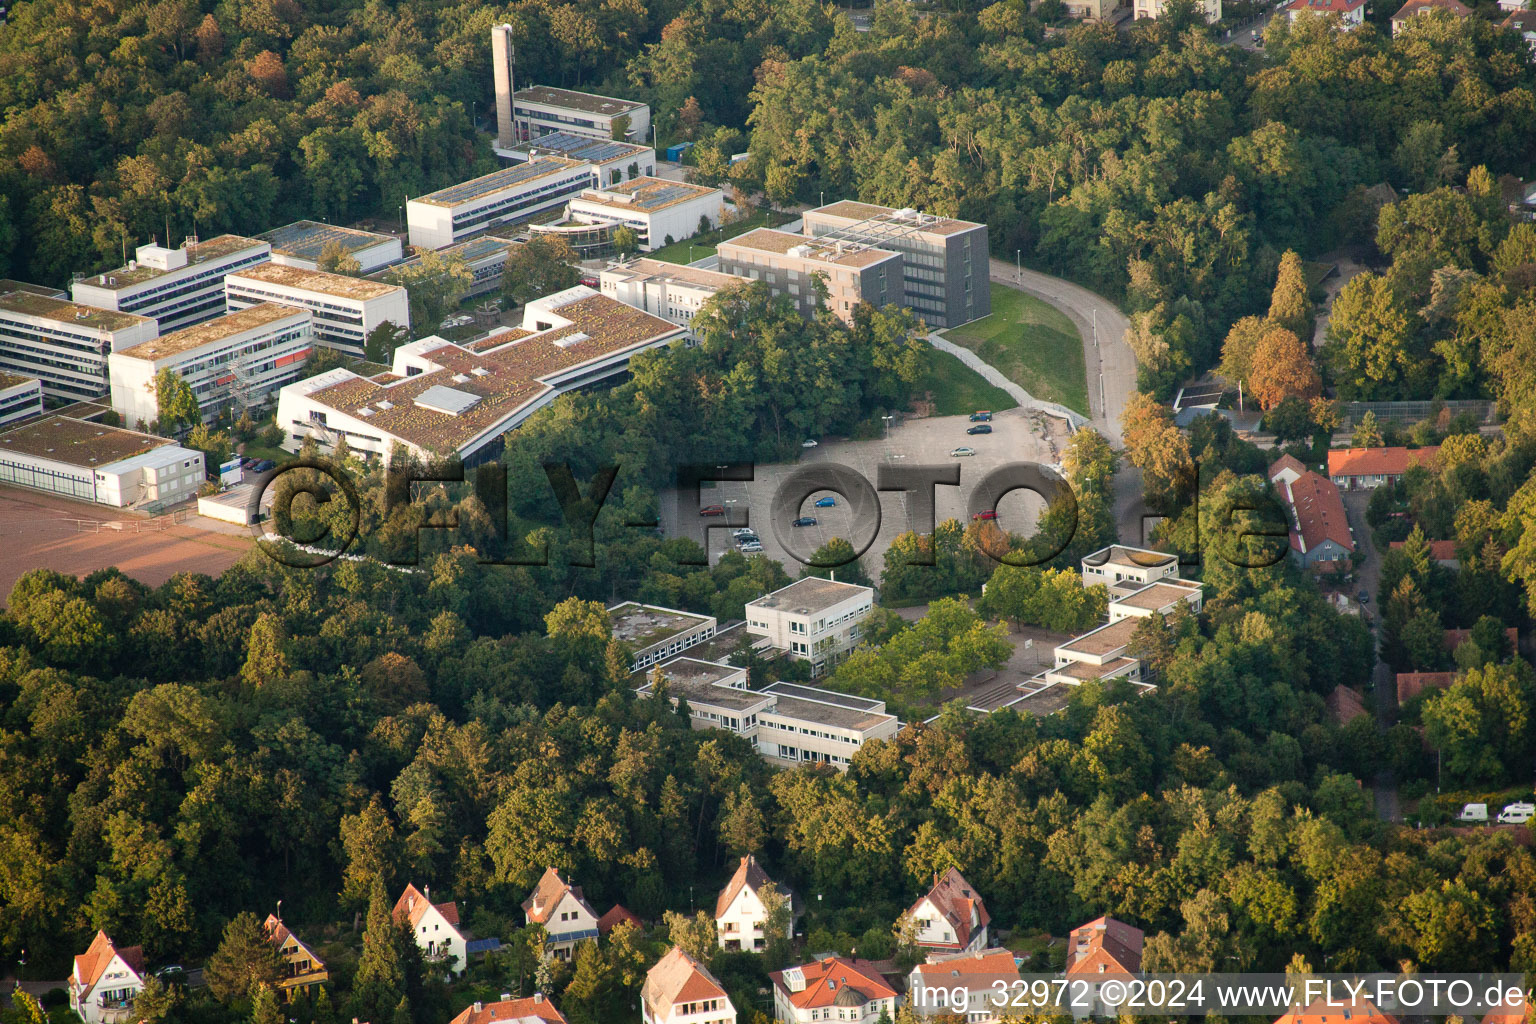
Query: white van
point(1517, 814)
point(1474, 814)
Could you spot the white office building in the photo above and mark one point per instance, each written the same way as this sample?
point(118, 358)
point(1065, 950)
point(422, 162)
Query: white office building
point(234, 361)
point(484, 257)
point(94, 462)
point(345, 309)
point(302, 243)
point(20, 398)
point(612, 162)
point(1123, 569)
point(668, 290)
point(178, 287)
point(64, 344)
point(654, 208)
point(541, 110)
point(515, 193)
point(813, 619)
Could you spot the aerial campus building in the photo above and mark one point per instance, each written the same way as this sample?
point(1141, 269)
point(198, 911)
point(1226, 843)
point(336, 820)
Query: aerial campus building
point(852, 272)
point(944, 277)
point(656, 209)
point(235, 360)
point(345, 309)
point(95, 462)
point(21, 398)
point(64, 344)
point(668, 290)
point(473, 207)
point(485, 257)
point(524, 115)
point(177, 287)
point(612, 162)
point(302, 243)
point(446, 399)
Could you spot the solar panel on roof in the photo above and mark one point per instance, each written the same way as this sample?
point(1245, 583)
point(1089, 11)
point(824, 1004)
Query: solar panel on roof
point(504, 178)
point(452, 401)
point(843, 700)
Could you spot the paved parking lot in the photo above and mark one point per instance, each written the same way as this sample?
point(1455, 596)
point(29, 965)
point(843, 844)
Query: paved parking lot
point(1016, 436)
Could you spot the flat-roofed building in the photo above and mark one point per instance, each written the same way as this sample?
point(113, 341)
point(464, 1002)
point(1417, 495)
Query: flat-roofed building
point(668, 290)
point(21, 398)
point(717, 694)
point(655, 634)
point(302, 244)
point(1097, 654)
point(813, 619)
point(1122, 568)
point(944, 260)
point(441, 398)
point(541, 110)
point(345, 309)
point(515, 193)
point(853, 272)
point(65, 344)
point(1160, 598)
point(233, 361)
point(612, 162)
point(94, 462)
point(484, 257)
point(656, 209)
point(178, 287)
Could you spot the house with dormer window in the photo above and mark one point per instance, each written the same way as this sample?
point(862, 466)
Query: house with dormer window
point(435, 926)
point(951, 918)
point(105, 981)
point(563, 911)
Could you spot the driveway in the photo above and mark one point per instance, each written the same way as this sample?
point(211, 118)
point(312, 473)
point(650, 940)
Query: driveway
point(1383, 680)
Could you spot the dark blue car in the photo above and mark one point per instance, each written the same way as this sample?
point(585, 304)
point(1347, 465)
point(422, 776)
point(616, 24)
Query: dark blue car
point(827, 502)
point(804, 521)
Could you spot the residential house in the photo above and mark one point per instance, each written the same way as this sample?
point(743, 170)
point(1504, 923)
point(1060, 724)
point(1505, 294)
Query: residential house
point(1414, 8)
point(680, 990)
point(506, 1010)
point(975, 987)
point(1320, 534)
point(302, 967)
point(563, 911)
point(1336, 1010)
point(105, 981)
point(1411, 684)
point(1364, 469)
point(1441, 552)
point(951, 917)
point(435, 927)
point(1124, 569)
point(740, 915)
point(832, 988)
point(1524, 22)
point(1103, 948)
point(1351, 12)
point(617, 914)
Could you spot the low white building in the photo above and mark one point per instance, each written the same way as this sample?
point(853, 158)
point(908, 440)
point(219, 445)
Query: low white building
point(1097, 654)
point(21, 398)
point(105, 981)
point(435, 927)
point(302, 244)
point(951, 917)
point(680, 990)
point(1122, 569)
point(1153, 9)
point(655, 634)
point(668, 290)
point(233, 361)
point(612, 162)
point(515, 193)
point(345, 309)
point(1160, 598)
point(484, 257)
point(813, 619)
point(93, 462)
point(177, 287)
point(442, 399)
point(656, 209)
point(541, 110)
point(976, 987)
point(741, 918)
point(64, 344)
point(1351, 13)
point(564, 912)
point(832, 988)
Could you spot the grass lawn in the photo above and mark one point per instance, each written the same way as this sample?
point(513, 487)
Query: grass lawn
point(957, 389)
point(704, 245)
point(1032, 344)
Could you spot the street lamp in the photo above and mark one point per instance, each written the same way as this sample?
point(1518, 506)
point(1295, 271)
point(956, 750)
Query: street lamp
point(1018, 264)
point(888, 419)
point(402, 217)
point(474, 105)
point(823, 199)
point(690, 253)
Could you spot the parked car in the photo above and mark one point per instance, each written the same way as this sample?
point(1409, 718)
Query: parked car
point(981, 416)
point(1517, 813)
point(1364, 597)
point(745, 533)
point(804, 521)
point(712, 510)
point(980, 428)
point(751, 547)
point(747, 538)
point(962, 452)
point(985, 514)
point(808, 443)
point(827, 502)
point(262, 465)
point(1474, 814)
point(172, 973)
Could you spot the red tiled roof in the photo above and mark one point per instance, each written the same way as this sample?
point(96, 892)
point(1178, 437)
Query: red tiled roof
point(749, 875)
point(616, 915)
point(1411, 684)
point(1439, 550)
point(1345, 703)
point(1319, 512)
point(970, 970)
point(1378, 461)
point(1454, 638)
point(1105, 946)
point(1322, 1011)
point(90, 964)
point(536, 1007)
point(827, 980)
point(412, 904)
point(1521, 21)
point(1289, 462)
point(953, 897)
point(279, 933)
point(1325, 6)
point(678, 978)
point(547, 894)
point(1413, 7)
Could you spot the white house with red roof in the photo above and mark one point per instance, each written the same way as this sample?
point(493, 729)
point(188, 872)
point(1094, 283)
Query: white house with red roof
point(435, 927)
point(564, 912)
point(951, 918)
point(740, 916)
point(1363, 469)
point(105, 981)
point(1104, 948)
point(1351, 12)
point(536, 1009)
point(1320, 531)
point(976, 987)
point(832, 988)
point(680, 990)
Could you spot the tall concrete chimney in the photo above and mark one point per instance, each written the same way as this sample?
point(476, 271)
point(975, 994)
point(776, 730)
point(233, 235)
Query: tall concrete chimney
point(502, 64)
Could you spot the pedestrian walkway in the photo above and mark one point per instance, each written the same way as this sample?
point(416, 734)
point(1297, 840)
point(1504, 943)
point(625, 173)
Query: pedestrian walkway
point(995, 377)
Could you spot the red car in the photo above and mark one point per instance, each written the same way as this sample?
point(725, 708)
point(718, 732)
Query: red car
point(712, 510)
point(990, 513)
